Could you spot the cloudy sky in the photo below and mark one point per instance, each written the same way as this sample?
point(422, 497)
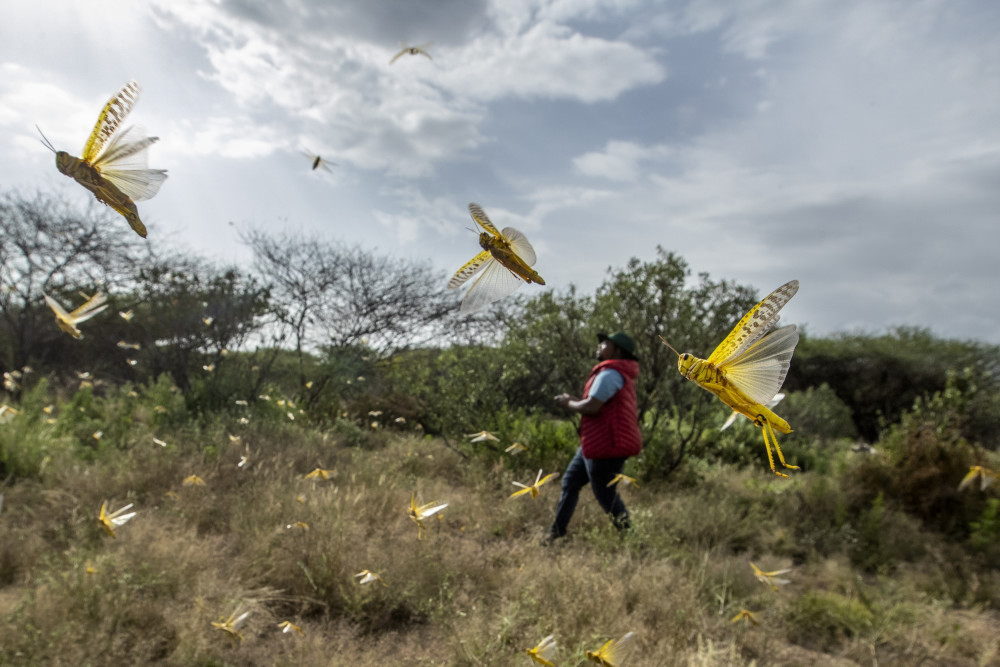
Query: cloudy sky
point(854, 146)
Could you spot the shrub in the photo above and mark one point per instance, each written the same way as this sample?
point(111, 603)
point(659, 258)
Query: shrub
point(884, 538)
point(28, 442)
point(985, 532)
point(924, 458)
point(549, 442)
point(822, 620)
point(817, 414)
point(350, 434)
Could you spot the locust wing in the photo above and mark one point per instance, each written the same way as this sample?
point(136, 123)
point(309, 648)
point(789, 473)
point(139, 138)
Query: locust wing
point(93, 306)
point(496, 282)
point(400, 54)
point(112, 115)
point(471, 268)
point(755, 324)
point(760, 371)
point(520, 245)
point(125, 163)
point(479, 215)
point(430, 509)
point(60, 312)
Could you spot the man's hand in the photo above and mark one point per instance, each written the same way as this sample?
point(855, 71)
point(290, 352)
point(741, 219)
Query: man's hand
point(562, 400)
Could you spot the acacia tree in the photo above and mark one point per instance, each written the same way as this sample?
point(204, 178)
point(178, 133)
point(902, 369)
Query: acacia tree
point(47, 246)
point(342, 305)
point(392, 304)
point(186, 314)
point(299, 271)
point(327, 294)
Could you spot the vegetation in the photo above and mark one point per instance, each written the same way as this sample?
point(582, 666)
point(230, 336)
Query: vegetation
point(239, 382)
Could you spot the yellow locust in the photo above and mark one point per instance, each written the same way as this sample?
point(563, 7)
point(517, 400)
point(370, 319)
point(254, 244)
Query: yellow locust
point(67, 321)
point(287, 627)
point(746, 616)
point(624, 480)
point(770, 578)
point(318, 162)
point(610, 655)
point(420, 512)
point(535, 488)
point(544, 653)
point(231, 624)
point(482, 436)
point(113, 165)
point(367, 577)
point(412, 50)
point(506, 261)
point(747, 369)
point(7, 413)
point(320, 473)
point(984, 475)
point(110, 521)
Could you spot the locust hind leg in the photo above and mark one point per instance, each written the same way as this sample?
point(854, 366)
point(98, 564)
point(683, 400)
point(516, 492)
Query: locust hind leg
point(123, 204)
point(764, 425)
point(131, 214)
point(766, 429)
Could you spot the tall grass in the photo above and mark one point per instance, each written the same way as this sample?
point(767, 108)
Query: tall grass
point(868, 581)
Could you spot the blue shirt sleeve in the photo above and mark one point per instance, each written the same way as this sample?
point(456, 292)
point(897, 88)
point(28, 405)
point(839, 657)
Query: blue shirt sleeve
point(606, 384)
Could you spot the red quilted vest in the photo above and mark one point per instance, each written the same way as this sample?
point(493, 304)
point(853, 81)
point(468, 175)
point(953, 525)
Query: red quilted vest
point(614, 431)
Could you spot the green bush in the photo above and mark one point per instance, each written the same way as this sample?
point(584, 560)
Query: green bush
point(350, 434)
point(884, 538)
point(984, 534)
point(820, 523)
point(164, 403)
point(28, 442)
point(550, 442)
point(922, 459)
point(740, 444)
point(821, 620)
point(816, 414)
point(880, 377)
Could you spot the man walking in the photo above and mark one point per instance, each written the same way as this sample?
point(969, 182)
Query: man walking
point(609, 431)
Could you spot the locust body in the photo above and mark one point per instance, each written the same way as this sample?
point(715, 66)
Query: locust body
point(104, 190)
point(502, 252)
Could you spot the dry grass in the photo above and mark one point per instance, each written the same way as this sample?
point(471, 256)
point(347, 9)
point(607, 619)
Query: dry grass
point(477, 590)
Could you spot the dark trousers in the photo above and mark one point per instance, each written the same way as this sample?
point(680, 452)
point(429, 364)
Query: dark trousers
point(596, 472)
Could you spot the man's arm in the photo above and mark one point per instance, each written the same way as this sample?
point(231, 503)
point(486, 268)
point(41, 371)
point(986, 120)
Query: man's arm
point(585, 406)
point(606, 385)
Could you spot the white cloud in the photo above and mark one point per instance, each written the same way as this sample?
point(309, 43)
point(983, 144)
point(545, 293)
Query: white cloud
point(619, 161)
point(551, 61)
point(237, 137)
point(865, 165)
point(419, 213)
point(590, 10)
point(408, 117)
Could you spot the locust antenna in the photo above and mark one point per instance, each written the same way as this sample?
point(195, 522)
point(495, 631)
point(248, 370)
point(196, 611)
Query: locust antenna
point(664, 340)
point(45, 140)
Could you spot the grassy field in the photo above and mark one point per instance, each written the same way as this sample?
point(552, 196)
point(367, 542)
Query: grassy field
point(872, 587)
